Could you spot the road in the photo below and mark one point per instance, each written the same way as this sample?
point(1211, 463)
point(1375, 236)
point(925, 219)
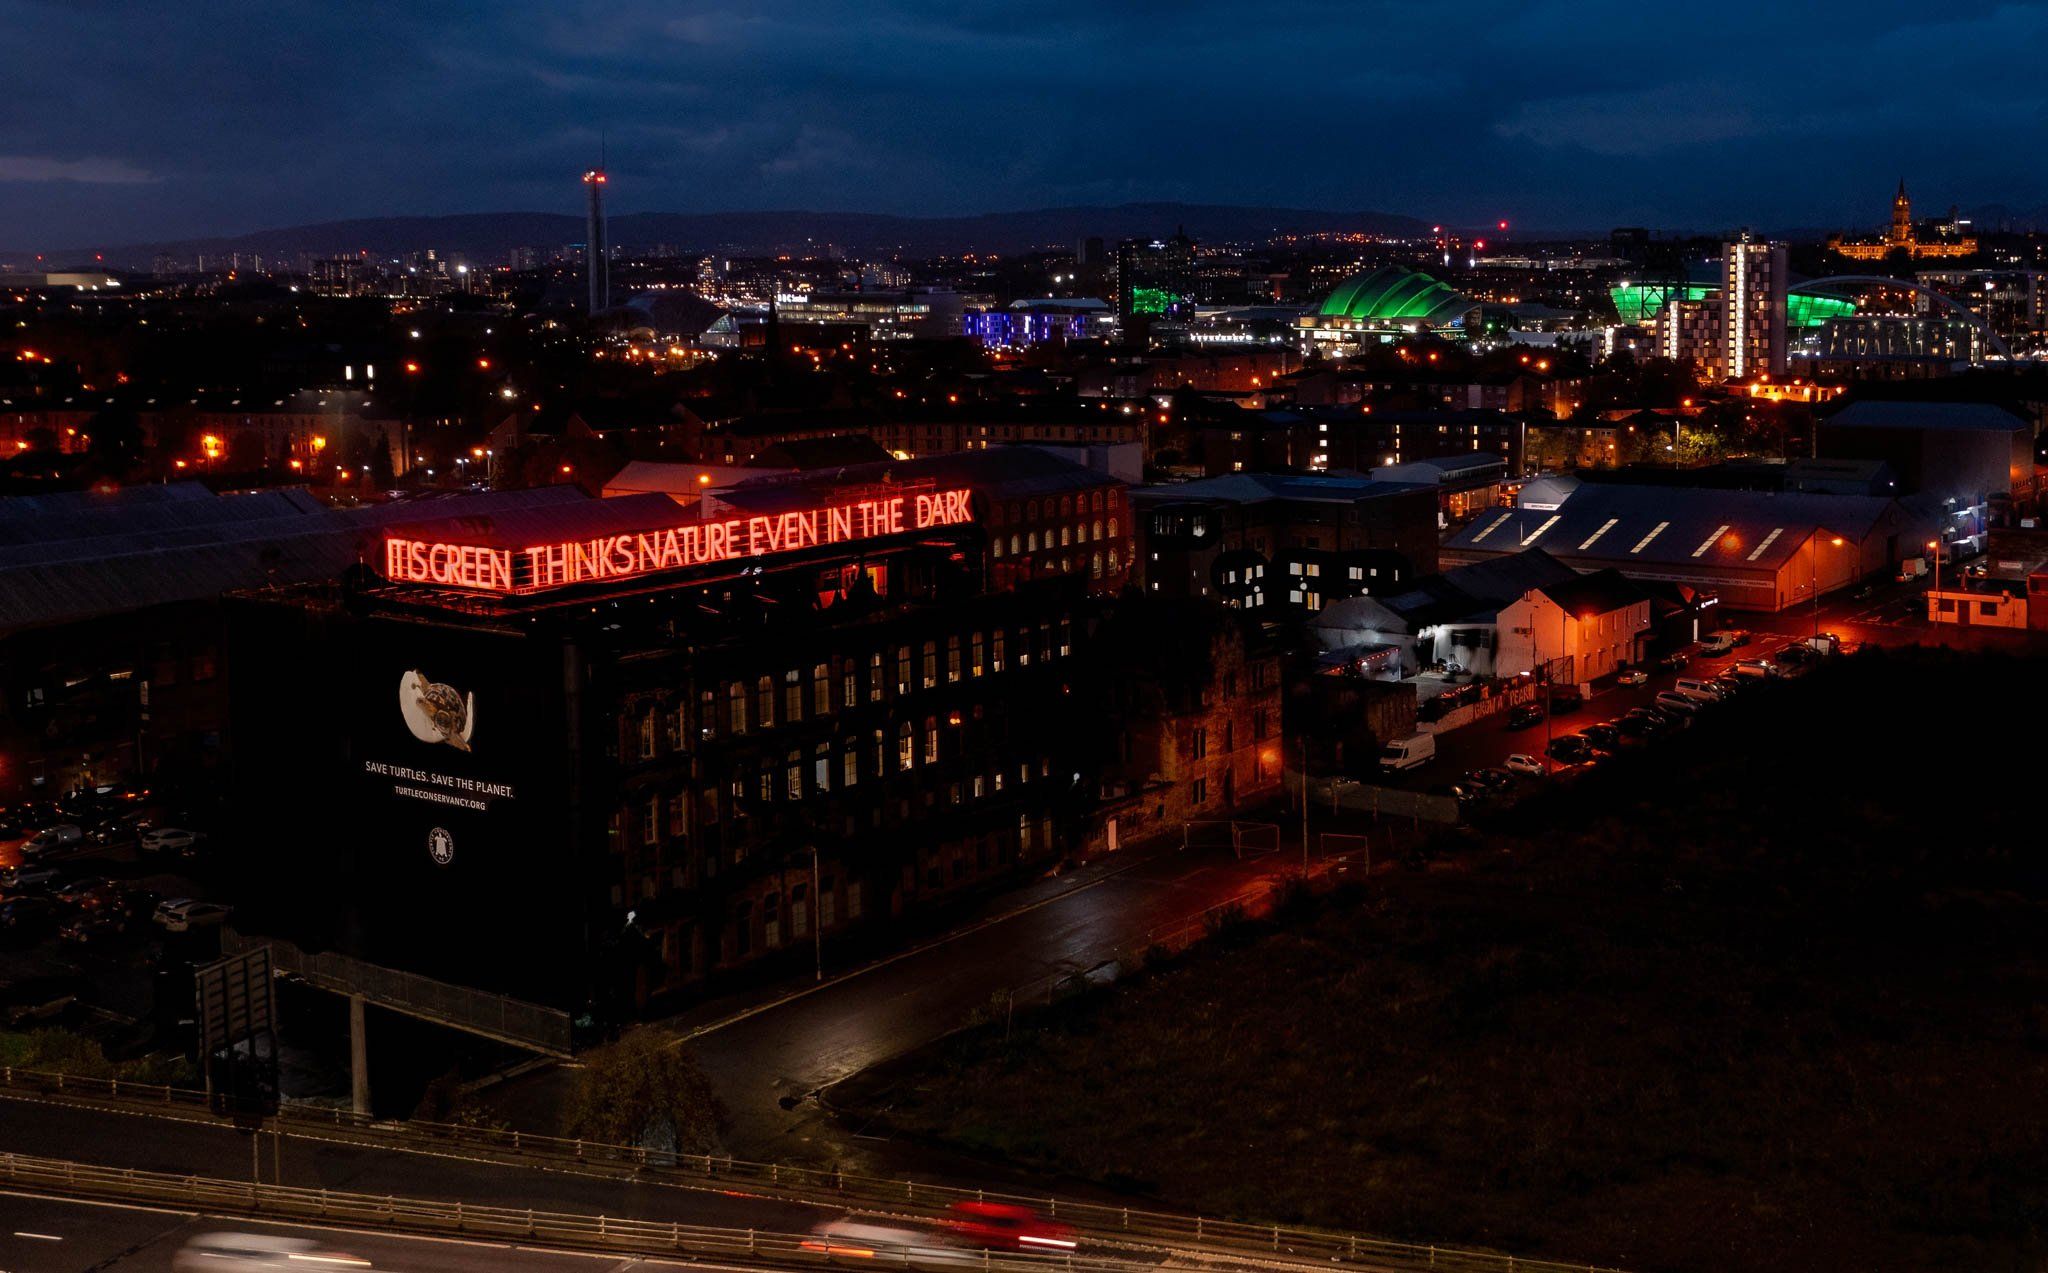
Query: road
point(52, 1235)
point(156, 1143)
point(770, 1054)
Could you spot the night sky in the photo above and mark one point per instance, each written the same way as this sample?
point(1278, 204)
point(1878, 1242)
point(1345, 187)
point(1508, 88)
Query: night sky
point(123, 121)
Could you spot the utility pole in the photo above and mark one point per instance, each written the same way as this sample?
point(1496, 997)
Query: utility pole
point(1302, 741)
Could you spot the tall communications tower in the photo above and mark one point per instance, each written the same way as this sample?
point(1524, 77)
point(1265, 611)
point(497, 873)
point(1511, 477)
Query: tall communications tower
point(596, 245)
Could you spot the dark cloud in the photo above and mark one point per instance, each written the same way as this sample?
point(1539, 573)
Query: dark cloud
point(138, 120)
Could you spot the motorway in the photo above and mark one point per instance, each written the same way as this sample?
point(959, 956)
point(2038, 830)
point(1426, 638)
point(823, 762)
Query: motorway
point(51, 1235)
point(184, 1146)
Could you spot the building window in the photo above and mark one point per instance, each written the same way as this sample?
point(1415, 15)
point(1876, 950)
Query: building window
point(1198, 791)
point(821, 767)
point(736, 705)
point(764, 701)
point(821, 689)
point(902, 669)
point(996, 658)
point(849, 764)
point(930, 664)
point(853, 891)
point(792, 695)
point(650, 821)
point(647, 735)
point(1023, 834)
point(975, 655)
point(676, 728)
point(931, 740)
point(1066, 646)
point(906, 748)
point(875, 677)
point(952, 660)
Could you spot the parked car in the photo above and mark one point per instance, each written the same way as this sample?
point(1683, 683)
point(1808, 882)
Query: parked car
point(1634, 676)
point(1525, 715)
point(1008, 1227)
point(29, 875)
point(171, 840)
point(1795, 656)
point(51, 840)
point(88, 927)
point(1733, 638)
point(1528, 766)
point(89, 893)
point(1673, 662)
point(181, 914)
point(1603, 735)
point(1756, 669)
point(1566, 698)
point(1572, 749)
point(1656, 721)
point(1672, 700)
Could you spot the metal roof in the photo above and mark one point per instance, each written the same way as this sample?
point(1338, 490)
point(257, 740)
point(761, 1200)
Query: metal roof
point(127, 557)
point(1621, 525)
point(1258, 488)
point(1956, 416)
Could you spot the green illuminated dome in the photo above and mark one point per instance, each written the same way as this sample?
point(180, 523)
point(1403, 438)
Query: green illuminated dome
point(1391, 294)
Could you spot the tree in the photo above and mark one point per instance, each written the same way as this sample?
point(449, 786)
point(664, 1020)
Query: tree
point(646, 1089)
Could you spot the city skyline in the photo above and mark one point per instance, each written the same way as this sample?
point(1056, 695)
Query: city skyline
point(1547, 115)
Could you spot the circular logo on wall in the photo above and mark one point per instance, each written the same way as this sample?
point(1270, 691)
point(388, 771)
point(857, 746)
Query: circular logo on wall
point(441, 846)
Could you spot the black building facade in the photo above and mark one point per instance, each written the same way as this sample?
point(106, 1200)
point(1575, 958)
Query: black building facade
point(582, 790)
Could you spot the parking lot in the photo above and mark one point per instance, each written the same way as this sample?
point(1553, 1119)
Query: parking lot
point(79, 940)
point(1487, 743)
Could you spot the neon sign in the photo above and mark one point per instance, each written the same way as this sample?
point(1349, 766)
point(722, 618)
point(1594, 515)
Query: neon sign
point(627, 555)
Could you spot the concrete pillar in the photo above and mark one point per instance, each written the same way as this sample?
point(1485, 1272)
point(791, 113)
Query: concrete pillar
point(358, 1057)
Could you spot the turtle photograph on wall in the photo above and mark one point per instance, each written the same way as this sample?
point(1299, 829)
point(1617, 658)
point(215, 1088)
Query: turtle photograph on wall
point(436, 713)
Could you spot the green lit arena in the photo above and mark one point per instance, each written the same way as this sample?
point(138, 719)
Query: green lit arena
point(1640, 304)
point(1388, 302)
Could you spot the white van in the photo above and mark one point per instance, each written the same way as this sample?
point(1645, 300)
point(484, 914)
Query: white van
point(1407, 753)
point(1697, 690)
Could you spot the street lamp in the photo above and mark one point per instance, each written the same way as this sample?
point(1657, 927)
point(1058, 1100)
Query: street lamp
point(1813, 584)
point(1934, 550)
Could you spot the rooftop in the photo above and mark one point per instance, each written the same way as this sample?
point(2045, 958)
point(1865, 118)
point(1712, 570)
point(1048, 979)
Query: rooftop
point(1258, 488)
point(1393, 294)
point(1951, 416)
point(1683, 526)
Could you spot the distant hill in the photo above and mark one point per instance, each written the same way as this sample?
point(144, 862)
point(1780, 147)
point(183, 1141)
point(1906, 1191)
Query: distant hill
point(491, 236)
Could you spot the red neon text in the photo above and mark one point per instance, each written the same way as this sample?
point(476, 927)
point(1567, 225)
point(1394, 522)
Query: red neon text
point(698, 543)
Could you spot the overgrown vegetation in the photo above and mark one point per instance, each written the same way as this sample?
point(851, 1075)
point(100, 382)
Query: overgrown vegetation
point(1768, 997)
point(59, 1051)
point(645, 1089)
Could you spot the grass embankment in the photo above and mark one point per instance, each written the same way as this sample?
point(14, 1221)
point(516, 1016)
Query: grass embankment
point(1773, 995)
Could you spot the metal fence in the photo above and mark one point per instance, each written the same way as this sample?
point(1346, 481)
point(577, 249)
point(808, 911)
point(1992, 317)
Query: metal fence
point(1126, 1227)
point(515, 1021)
point(579, 1230)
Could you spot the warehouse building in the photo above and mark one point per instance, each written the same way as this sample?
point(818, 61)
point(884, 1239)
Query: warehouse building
point(1756, 550)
